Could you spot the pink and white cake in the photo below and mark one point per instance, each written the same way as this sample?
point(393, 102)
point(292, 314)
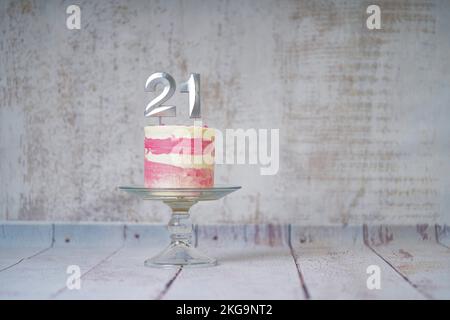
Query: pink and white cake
point(179, 157)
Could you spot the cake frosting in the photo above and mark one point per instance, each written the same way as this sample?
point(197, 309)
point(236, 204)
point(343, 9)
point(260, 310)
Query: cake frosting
point(179, 157)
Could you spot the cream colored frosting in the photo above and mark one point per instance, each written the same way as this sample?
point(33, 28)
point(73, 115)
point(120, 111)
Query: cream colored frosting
point(169, 131)
point(205, 161)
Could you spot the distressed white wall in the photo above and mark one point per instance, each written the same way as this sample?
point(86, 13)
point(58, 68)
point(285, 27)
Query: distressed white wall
point(364, 116)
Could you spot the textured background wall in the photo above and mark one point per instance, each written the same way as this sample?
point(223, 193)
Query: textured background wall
point(364, 116)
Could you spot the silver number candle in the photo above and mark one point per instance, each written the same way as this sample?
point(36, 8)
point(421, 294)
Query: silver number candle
point(155, 108)
point(192, 87)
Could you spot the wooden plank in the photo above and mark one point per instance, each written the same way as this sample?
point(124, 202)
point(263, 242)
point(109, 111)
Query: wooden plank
point(415, 255)
point(443, 235)
point(21, 241)
point(87, 234)
point(333, 262)
point(123, 275)
point(255, 262)
point(44, 275)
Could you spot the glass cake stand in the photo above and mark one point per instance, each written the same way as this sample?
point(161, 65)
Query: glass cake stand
point(180, 251)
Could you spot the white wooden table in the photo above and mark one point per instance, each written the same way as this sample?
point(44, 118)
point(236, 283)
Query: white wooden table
point(255, 262)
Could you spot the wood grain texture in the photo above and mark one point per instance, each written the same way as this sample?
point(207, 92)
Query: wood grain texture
point(415, 255)
point(255, 262)
point(363, 114)
point(334, 264)
point(443, 235)
point(43, 275)
point(35, 234)
point(123, 275)
point(19, 242)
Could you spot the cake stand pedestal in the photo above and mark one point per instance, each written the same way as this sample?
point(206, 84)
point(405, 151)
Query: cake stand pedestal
point(180, 251)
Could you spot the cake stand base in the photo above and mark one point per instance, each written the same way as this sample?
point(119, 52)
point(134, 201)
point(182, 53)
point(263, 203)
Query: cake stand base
point(180, 252)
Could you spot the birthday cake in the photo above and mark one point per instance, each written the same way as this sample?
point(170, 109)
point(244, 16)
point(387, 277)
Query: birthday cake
point(179, 157)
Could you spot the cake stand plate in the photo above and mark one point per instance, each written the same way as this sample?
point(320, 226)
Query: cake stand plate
point(180, 251)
